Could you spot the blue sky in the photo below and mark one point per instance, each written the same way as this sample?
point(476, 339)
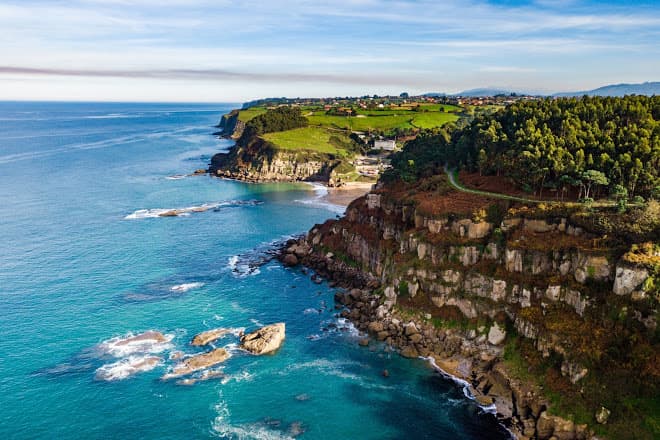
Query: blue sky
point(221, 50)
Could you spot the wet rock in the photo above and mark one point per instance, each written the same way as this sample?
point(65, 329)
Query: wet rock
point(198, 362)
point(290, 260)
point(385, 373)
point(375, 327)
point(484, 400)
point(409, 352)
point(265, 340)
point(296, 429)
point(364, 342)
point(209, 336)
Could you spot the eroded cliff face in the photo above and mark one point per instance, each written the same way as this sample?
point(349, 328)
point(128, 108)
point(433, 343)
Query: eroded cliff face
point(259, 162)
point(470, 287)
point(230, 126)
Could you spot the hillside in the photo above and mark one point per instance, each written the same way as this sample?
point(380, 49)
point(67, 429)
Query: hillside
point(310, 142)
point(547, 309)
point(588, 147)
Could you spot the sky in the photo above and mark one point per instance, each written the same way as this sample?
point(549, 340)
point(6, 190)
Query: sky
point(231, 51)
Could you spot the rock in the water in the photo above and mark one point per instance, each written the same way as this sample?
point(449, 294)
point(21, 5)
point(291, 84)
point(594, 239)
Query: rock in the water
point(385, 373)
point(409, 352)
point(364, 342)
point(290, 260)
point(602, 415)
point(198, 362)
point(496, 335)
point(209, 336)
point(484, 400)
point(265, 340)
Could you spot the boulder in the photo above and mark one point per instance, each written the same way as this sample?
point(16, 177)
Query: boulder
point(411, 329)
point(409, 352)
point(496, 335)
point(198, 362)
point(628, 279)
point(545, 426)
point(209, 336)
point(290, 260)
point(375, 327)
point(265, 340)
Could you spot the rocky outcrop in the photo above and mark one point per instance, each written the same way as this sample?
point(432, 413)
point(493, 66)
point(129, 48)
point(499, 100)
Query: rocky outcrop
point(265, 340)
point(198, 362)
point(261, 162)
point(628, 279)
point(551, 281)
point(209, 336)
point(230, 126)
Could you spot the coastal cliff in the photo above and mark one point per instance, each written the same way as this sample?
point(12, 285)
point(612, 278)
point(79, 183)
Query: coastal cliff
point(547, 319)
point(277, 145)
point(230, 126)
point(261, 162)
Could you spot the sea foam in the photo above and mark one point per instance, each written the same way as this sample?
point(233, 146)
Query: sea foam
point(186, 211)
point(147, 342)
point(128, 367)
point(180, 288)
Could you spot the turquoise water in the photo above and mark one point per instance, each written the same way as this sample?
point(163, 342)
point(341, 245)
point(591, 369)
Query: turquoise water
point(75, 272)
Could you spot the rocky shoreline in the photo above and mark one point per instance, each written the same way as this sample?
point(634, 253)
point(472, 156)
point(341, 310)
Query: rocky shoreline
point(467, 355)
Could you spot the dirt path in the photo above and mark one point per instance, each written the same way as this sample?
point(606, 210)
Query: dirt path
point(451, 174)
point(452, 180)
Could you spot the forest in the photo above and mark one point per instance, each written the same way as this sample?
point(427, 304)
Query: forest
point(590, 146)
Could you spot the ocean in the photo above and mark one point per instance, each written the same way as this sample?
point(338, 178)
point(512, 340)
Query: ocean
point(86, 262)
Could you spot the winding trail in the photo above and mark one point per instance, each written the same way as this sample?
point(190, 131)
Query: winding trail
point(451, 174)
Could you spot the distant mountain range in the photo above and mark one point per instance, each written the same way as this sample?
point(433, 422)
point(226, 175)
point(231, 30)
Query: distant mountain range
point(647, 88)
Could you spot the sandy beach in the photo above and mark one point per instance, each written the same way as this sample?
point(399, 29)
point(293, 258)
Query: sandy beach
point(345, 194)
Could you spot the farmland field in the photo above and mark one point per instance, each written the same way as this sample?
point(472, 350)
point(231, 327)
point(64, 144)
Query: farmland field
point(307, 138)
point(247, 114)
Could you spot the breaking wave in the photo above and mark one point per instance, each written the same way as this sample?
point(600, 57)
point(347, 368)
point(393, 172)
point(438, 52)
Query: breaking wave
point(180, 288)
point(147, 342)
point(128, 367)
point(181, 212)
point(223, 428)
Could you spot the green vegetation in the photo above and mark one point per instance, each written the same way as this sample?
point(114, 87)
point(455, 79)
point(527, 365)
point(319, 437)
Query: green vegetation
point(384, 120)
point(590, 147)
point(250, 113)
point(588, 144)
point(279, 119)
point(309, 138)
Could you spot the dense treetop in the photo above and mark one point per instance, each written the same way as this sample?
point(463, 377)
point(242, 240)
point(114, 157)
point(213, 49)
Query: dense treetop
point(278, 119)
point(589, 144)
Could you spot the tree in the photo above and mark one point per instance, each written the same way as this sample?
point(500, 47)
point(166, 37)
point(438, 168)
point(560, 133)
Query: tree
point(482, 160)
point(620, 195)
point(593, 178)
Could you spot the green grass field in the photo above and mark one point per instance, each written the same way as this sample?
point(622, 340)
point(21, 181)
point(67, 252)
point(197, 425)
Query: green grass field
point(367, 123)
point(306, 138)
point(432, 119)
point(385, 120)
point(372, 120)
point(247, 114)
